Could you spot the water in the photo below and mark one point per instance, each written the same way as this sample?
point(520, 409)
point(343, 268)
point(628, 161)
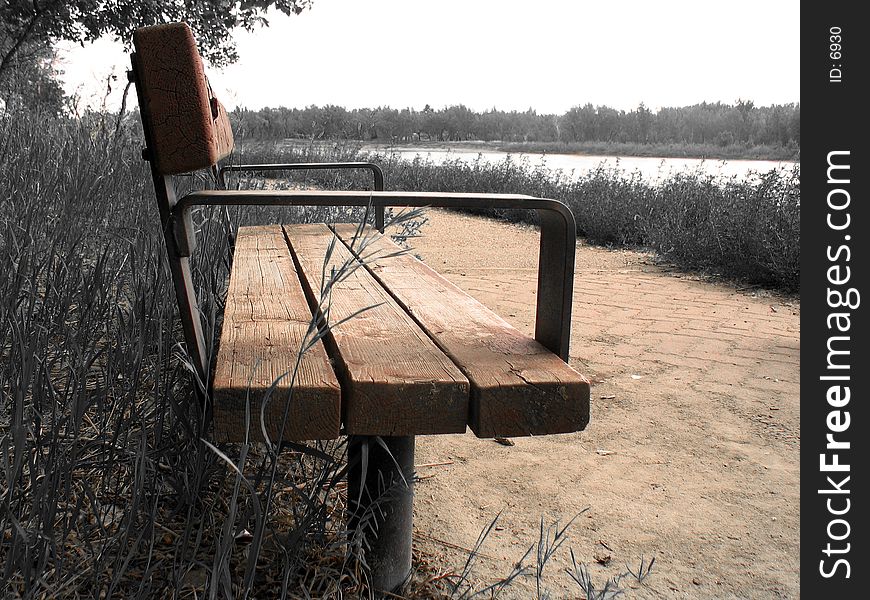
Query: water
point(576, 165)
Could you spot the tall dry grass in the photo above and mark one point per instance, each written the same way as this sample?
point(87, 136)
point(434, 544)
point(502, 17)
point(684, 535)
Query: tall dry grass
point(107, 487)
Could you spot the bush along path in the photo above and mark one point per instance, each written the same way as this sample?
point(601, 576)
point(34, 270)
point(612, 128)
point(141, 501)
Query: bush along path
point(743, 229)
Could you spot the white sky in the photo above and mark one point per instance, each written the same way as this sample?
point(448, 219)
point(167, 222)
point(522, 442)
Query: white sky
point(549, 55)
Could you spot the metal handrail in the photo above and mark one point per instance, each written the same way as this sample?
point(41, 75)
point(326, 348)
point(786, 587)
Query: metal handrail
point(376, 170)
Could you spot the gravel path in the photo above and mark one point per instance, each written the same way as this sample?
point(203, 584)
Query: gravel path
point(691, 454)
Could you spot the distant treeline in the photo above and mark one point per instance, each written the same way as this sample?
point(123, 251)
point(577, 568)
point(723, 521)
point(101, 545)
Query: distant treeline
point(718, 124)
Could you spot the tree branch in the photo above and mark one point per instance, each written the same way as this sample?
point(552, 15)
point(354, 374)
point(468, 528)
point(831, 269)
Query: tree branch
point(38, 13)
point(123, 108)
point(7, 58)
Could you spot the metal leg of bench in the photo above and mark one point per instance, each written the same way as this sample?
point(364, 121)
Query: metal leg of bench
point(381, 502)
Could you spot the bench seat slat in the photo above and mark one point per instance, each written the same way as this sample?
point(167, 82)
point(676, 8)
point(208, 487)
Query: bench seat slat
point(396, 381)
point(518, 386)
point(265, 321)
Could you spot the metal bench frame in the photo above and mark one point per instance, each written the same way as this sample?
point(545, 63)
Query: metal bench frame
point(389, 553)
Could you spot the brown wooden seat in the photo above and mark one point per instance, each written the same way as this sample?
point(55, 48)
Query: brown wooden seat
point(518, 387)
point(267, 322)
point(426, 358)
point(403, 352)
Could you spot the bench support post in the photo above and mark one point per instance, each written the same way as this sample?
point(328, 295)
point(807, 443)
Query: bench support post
point(555, 282)
point(381, 505)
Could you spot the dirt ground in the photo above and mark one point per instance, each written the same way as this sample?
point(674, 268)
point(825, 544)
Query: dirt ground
point(691, 454)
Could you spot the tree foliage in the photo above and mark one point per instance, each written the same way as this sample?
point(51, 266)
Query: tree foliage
point(33, 83)
point(33, 23)
point(713, 124)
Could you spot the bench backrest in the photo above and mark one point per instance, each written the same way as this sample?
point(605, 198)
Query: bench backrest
point(186, 129)
point(189, 128)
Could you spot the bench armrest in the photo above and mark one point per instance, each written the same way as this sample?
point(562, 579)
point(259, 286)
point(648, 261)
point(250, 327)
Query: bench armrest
point(557, 245)
point(377, 174)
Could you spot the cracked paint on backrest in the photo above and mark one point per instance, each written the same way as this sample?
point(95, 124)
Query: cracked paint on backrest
point(190, 129)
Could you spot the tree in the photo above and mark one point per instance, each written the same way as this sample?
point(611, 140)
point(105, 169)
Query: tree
point(643, 119)
point(458, 122)
point(33, 82)
point(33, 23)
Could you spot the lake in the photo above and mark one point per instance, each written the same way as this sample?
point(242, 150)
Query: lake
point(650, 168)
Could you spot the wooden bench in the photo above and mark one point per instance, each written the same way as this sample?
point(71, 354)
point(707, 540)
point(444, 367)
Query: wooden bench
point(403, 351)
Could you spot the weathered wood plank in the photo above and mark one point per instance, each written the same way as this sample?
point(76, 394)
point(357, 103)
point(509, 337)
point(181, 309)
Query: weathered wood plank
point(518, 386)
point(265, 321)
point(395, 380)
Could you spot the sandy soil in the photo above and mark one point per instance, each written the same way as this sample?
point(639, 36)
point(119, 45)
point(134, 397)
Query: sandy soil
point(691, 455)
